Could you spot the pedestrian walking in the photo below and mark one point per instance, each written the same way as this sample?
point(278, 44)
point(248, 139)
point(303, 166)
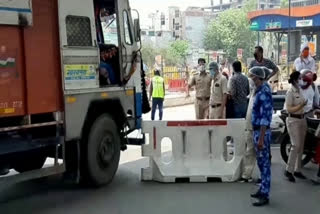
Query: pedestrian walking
point(157, 92)
point(239, 91)
point(202, 83)
point(297, 127)
point(219, 92)
point(260, 61)
point(261, 120)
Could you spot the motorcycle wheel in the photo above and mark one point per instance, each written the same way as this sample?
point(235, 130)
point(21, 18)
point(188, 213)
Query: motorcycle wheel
point(285, 147)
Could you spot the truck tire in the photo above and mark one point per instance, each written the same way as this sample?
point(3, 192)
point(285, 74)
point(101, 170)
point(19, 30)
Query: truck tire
point(31, 163)
point(103, 151)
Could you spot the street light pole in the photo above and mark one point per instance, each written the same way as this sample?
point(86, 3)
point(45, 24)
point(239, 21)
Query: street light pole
point(289, 36)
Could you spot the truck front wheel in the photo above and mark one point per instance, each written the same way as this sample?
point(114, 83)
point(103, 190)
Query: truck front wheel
point(103, 151)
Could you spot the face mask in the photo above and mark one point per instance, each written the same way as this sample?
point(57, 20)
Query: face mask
point(255, 55)
point(213, 73)
point(302, 83)
point(202, 68)
point(305, 53)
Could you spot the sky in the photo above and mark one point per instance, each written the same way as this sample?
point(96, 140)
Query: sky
point(145, 7)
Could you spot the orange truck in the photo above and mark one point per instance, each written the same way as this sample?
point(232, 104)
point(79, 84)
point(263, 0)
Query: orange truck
point(71, 88)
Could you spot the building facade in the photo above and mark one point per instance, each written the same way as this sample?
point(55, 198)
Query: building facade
point(221, 5)
point(194, 25)
point(175, 22)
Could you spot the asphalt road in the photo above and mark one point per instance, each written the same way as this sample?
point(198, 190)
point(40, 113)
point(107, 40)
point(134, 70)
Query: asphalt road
point(127, 194)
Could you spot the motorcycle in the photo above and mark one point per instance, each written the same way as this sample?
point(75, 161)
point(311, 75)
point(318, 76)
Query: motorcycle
point(310, 140)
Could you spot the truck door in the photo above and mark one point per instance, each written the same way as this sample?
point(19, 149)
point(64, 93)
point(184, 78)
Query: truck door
point(127, 41)
point(78, 44)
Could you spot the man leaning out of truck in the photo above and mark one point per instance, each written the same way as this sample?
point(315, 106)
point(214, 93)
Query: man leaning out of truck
point(106, 72)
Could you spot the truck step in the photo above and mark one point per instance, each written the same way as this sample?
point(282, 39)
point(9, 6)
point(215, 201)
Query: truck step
point(11, 144)
point(136, 141)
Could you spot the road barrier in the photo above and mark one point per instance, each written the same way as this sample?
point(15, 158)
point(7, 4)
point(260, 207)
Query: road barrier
point(197, 150)
point(177, 85)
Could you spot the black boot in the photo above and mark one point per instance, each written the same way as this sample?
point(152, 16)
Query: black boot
point(290, 176)
point(299, 175)
point(256, 195)
point(262, 201)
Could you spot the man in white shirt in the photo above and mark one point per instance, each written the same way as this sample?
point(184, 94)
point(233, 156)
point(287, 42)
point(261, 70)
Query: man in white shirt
point(305, 61)
point(309, 91)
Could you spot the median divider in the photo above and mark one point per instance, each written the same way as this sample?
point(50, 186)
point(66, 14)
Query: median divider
point(198, 149)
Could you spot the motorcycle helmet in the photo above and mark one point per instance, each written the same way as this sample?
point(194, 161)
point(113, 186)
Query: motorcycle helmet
point(315, 77)
point(307, 78)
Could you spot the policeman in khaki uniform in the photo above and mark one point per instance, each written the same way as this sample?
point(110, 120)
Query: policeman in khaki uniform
point(218, 98)
point(219, 92)
point(202, 83)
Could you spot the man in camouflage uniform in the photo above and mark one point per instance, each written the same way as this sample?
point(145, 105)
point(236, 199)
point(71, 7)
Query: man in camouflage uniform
point(261, 119)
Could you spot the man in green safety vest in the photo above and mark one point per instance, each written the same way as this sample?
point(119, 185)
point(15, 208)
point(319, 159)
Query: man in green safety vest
point(157, 92)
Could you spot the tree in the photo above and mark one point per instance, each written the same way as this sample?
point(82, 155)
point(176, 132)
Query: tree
point(284, 4)
point(148, 54)
point(177, 52)
point(250, 5)
point(230, 31)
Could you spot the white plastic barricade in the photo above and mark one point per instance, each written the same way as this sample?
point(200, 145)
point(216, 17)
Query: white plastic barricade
point(197, 150)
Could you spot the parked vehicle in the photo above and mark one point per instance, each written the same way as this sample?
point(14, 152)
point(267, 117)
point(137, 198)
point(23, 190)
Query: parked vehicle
point(310, 141)
point(52, 102)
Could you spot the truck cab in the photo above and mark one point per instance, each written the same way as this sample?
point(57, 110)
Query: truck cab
point(71, 87)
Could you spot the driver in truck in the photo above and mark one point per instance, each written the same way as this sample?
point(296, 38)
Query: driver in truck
point(106, 72)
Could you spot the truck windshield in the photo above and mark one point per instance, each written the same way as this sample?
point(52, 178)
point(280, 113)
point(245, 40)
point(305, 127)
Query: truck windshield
point(109, 28)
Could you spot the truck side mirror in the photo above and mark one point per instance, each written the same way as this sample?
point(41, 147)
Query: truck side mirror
point(137, 30)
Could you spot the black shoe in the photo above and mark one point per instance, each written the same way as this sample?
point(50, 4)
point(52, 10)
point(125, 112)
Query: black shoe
point(261, 202)
point(258, 182)
point(299, 175)
point(256, 195)
point(290, 176)
point(4, 171)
